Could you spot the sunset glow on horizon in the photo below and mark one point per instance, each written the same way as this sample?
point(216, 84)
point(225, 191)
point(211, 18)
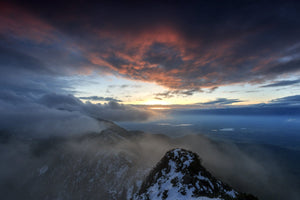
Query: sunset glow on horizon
point(158, 62)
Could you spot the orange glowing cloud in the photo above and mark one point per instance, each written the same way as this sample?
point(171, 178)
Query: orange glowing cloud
point(134, 55)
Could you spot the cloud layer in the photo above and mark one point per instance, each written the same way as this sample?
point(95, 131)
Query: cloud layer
point(221, 101)
point(283, 83)
point(285, 106)
point(97, 98)
point(57, 114)
point(185, 46)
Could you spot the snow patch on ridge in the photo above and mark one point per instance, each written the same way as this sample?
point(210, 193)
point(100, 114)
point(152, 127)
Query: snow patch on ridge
point(180, 176)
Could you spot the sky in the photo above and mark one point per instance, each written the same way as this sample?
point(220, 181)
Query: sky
point(163, 55)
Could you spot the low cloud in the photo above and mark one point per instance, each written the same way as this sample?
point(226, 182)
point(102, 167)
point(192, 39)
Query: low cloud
point(281, 106)
point(109, 111)
point(248, 167)
point(58, 114)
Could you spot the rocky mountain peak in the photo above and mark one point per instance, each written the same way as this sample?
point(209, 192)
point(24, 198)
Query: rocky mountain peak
point(179, 175)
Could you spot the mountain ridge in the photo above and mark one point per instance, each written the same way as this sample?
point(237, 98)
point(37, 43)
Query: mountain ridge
point(179, 175)
point(109, 164)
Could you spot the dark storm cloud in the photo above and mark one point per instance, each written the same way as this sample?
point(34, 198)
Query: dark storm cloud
point(283, 83)
point(183, 46)
point(97, 98)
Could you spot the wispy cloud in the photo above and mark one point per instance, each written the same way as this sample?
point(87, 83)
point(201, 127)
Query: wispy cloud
point(283, 83)
point(221, 101)
point(98, 98)
point(124, 86)
point(289, 105)
point(287, 101)
point(173, 93)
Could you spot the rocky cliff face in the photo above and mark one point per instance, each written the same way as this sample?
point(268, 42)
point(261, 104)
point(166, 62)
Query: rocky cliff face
point(180, 176)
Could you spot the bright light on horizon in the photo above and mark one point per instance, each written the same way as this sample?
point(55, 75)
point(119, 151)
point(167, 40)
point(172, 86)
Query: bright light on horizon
point(155, 102)
point(159, 108)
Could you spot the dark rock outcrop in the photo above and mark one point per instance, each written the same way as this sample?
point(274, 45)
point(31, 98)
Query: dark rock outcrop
point(179, 175)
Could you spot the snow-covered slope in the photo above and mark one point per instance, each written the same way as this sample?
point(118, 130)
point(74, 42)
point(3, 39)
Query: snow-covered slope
point(180, 176)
